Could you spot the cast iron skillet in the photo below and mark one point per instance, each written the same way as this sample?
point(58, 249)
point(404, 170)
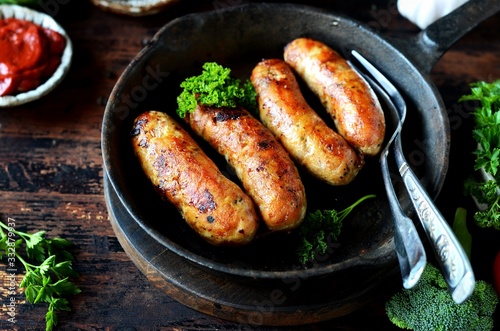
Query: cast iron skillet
point(239, 37)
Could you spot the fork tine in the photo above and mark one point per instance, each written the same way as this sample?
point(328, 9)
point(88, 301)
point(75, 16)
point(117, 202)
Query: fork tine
point(384, 83)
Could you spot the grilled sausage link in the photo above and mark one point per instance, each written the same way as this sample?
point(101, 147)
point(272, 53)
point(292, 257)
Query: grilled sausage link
point(264, 168)
point(347, 97)
point(215, 207)
point(283, 109)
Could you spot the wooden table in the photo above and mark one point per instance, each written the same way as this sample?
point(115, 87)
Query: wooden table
point(51, 175)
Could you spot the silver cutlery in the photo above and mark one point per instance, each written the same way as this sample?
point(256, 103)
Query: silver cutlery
point(453, 261)
point(409, 248)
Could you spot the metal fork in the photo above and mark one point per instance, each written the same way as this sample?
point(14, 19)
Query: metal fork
point(453, 261)
point(409, 248)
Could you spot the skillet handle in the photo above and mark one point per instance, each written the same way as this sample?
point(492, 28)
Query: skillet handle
point(426, 48)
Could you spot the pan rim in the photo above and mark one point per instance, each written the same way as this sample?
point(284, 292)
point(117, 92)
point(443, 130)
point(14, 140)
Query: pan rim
point(210, 264)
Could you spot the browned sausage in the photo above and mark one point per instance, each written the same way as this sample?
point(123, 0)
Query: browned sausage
point(344, 93)
point(264, 168)
point(215, 207)
point(299, 128)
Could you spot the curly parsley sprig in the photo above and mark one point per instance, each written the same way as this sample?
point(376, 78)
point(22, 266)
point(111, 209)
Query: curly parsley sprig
point(485, 193)
point(319, 228)
point(486, 132)
point(47, 281)
point(215, 87)
point(487, 124)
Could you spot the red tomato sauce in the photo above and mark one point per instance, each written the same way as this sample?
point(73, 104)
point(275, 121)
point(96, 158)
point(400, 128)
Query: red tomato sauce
point(29, 55)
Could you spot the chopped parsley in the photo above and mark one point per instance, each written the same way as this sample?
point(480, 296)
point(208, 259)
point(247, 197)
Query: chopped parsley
point(215, 87)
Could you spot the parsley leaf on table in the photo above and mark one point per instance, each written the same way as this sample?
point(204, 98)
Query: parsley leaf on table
point(47, 281)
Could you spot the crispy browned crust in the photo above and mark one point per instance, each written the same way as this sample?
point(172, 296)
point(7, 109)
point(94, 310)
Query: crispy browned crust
point(264, 168)
point(215, 207)
point(345, 94)
point(299, 128)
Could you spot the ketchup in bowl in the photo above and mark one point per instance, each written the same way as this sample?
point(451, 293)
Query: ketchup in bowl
point(29, 55)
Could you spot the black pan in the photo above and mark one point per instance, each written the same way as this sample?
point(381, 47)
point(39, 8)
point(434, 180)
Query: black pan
point(239, 37)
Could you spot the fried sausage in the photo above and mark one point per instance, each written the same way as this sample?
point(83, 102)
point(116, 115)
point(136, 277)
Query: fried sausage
point(264, 168)
point(346, 96)
point(283, 109)
point(215, 207)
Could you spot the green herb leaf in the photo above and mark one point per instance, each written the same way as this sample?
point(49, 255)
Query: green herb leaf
point(60, 304)
point(487, 135)
point(46, 265)
point(58, 243)
point(34, 246)
point(31, 278)
point(64, 287)
point(44, 292)
point(3, 245)
point(31, 292)
point(487, 124)
point(48, 281)
point(320, 229)
point(215, 87)
point(50, 319)
point(64, 269)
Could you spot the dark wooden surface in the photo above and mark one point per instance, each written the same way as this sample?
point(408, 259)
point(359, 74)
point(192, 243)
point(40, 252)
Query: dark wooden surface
point(51, 173)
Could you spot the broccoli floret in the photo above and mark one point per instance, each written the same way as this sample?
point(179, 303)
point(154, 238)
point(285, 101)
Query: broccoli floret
point(428, 306)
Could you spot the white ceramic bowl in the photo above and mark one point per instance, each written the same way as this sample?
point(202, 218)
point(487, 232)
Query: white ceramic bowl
point(44, 20)
point(133, 7)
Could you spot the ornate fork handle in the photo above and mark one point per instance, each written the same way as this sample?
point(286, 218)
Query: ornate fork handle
point(455, 265)
point(409, 248)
